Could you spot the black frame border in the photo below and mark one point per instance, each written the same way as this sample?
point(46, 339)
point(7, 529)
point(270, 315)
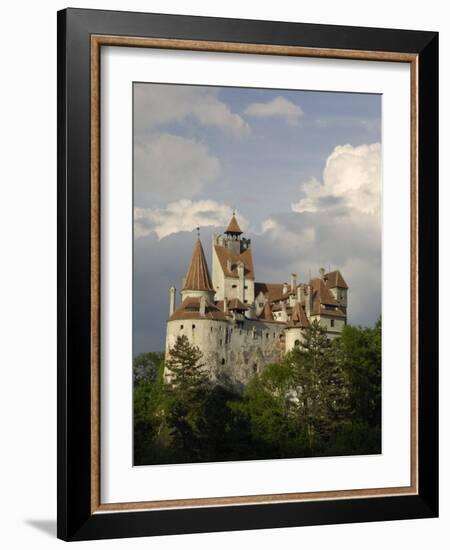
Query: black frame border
point(75, 521)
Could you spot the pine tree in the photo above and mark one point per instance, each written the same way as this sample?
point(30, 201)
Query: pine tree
point(187, 393)
point(319, 383)
point(185, 366)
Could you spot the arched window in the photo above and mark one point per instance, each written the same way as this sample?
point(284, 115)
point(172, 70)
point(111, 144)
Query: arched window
point(297, 343)
point(222, 361)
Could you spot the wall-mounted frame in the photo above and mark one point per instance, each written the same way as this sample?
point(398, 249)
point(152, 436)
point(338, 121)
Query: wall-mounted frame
point(83, 36)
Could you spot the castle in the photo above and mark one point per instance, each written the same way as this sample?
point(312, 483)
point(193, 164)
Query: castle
point(241, 325)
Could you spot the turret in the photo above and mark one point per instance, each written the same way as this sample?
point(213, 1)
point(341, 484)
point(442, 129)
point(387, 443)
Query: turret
point(172, 294)
point(293, 281)
point(197, 282)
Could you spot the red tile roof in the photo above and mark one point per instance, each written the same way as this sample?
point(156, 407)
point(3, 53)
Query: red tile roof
point(298, 318)
point(321, 295)
point(273, 291)
point(190, 309)
point(233, 226)
point(197, 277)
point(225, 254)
point(267, 313)
point(334, 279)
point(236, 304)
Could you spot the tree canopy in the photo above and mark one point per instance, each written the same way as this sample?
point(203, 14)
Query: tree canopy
point(322, 399)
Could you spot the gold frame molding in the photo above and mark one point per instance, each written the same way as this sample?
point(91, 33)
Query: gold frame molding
point(97, 41)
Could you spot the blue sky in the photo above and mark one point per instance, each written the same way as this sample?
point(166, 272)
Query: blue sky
point(302, 169)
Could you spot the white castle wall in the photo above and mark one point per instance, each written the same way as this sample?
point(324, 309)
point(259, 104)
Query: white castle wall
point(231, 287)
point(332, 331)
point(293, 335)
point(233, 354)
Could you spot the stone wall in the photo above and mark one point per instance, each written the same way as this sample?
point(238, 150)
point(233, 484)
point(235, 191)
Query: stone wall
point(232, 352)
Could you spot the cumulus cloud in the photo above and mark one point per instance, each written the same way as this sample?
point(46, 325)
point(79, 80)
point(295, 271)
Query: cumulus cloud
point(351, 178)
point(278, 107)
point(335, 225)
point(182, 215)
point(166, 166)
point(158, 104)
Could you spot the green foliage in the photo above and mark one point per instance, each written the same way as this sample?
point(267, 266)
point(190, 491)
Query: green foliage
point(146, 367)
point(320, 386)
point(187, 373)
point(358, 351)
point(267, 405)
point(323, 399)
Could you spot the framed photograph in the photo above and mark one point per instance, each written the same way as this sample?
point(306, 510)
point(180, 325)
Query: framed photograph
point(248, 301)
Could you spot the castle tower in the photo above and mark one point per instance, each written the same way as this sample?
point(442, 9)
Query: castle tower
point(197, 282)
point(232, 265)
point(233, 235)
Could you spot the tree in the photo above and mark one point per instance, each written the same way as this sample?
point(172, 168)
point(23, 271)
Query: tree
point(146, 366)
point(267, 404)
point(184, 364)
point(359, 354)
point(151, 437)
point(319, 384)
point(186, 391)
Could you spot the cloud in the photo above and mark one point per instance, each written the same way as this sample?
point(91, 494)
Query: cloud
point(182, 215)
point(159, 104)
point(167, 166)
point(351, 178)
point(335, 225)
point(278, 107)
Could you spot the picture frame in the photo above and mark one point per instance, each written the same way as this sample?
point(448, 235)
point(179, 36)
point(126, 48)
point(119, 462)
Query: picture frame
point(81, 35)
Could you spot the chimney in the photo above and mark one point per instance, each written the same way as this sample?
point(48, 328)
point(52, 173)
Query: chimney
point(202, 306)
point(225, 304)
point(172, 293)
point(293, 281)
point(308, 301)
point(322, 273)
point(301, 293)
point(285, 288)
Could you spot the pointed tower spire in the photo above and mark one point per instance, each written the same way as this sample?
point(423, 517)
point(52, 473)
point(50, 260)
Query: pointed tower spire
point(197, 277)
point(233, 227)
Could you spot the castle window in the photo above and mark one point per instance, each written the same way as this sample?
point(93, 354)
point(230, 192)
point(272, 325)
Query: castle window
point(255, 367)
point(332, 322)
point(181, 327)
point(297, 343)
point(267, 335)
point(211, 329)
point(245, 286)
point(193, 326)
point(233, 286)
point(245, 301)
point(222, 361)
point(220, 342)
